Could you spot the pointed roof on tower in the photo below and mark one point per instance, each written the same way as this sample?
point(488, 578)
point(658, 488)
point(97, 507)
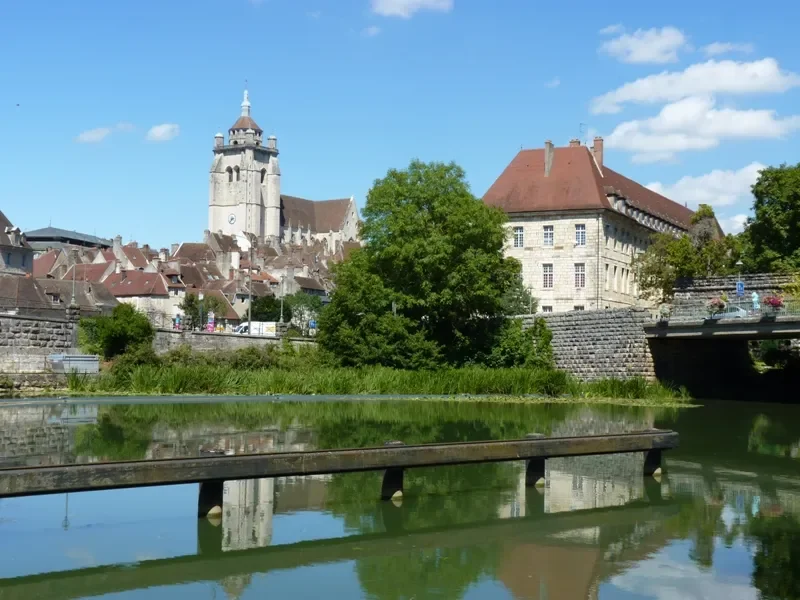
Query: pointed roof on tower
point(245, 121)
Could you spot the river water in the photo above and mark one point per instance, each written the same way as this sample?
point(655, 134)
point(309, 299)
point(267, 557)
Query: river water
point(724, 522)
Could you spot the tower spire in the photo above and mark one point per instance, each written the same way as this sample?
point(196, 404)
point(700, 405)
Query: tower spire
point(246, 103)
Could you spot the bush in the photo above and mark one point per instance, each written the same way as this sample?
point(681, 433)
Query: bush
point(113, 335)
point(136, 356)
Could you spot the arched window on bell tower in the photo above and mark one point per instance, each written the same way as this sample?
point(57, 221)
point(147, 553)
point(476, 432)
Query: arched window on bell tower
point(236, 170)
point(263, 175)
point(229, 171)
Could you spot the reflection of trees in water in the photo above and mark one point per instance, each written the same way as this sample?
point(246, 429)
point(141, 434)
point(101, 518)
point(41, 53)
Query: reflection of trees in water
point(777, 558)
point(772, 438)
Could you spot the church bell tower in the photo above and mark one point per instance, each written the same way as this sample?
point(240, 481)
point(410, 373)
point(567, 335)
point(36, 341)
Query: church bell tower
point(245, 181)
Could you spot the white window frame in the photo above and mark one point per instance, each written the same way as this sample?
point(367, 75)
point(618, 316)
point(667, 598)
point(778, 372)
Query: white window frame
point(519, 236)
point(580, 234)
point(548, 279)
point(548, 235)
point(580, 276)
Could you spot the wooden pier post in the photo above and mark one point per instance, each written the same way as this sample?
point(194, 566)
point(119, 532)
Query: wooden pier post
point(209, 501)
point(534, 472)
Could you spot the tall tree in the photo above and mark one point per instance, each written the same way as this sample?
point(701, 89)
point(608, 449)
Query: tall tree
point(196, 310)
point(704, 252)
point(774, 230)
point(268, 308)
point(431, 275)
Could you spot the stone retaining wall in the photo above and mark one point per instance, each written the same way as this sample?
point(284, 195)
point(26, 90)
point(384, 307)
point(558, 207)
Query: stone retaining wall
point(167, 340)
point(603, 343)
point(22, 333)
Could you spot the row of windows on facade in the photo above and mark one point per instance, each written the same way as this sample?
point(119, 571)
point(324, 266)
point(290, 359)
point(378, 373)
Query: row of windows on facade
point(623, 279)
point(23, 262)
point(549, 309)
point(548, 280)
point(548, 235)
point(234, 175)
point(625, 243)
point(645, 219)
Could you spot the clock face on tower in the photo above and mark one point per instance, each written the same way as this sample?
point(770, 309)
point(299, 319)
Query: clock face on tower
point(231, 218)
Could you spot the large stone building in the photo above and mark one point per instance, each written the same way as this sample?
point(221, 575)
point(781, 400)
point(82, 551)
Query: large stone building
point(245, 194)
point(16, 254)
point(576, 226)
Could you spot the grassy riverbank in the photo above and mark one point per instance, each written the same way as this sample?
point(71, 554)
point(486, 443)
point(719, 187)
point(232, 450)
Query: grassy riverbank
point(222, 379)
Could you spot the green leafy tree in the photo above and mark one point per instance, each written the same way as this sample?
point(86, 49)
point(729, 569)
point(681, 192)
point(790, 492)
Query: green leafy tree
point(117, 333)
point(774, 230)
point(704, 252)
point(518, 300)
point(428, 285)
point(304, 308)
point(268, 308)
point(196, 311)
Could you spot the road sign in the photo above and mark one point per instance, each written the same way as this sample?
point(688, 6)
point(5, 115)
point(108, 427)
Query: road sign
point(312, 324)
point(740, 288)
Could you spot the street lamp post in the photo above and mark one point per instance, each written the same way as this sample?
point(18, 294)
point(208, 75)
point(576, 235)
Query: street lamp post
point(283, 277)
point(200, 297)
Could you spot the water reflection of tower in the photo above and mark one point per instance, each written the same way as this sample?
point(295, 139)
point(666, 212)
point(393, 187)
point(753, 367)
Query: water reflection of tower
point(247, 509)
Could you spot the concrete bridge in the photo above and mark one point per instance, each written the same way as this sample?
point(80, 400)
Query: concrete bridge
point(730, 328)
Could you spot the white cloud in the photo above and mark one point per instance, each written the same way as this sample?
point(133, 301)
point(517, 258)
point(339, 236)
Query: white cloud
point(647, 46)
point(163, 133)
point(718, 188)
point(718, 48)
point(711, 77)
point(406, 8)
point(371, 31)
point(93, 136)
point(553, 83)
point(695, 123)
point(734, 224)
point(612, 29)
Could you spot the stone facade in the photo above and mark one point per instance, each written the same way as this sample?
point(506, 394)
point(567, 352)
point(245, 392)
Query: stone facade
point(24, 333)
point(594, 345)
point(167, 340)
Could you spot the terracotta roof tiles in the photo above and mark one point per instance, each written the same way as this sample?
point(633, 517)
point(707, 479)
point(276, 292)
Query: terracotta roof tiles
point(321, 216)
point(136, 283)
point(574, 183)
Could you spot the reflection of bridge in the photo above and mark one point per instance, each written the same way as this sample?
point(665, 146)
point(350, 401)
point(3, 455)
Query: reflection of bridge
point(538, 531)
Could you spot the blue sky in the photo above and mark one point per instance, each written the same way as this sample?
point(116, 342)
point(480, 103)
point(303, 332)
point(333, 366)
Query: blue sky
point(355, 87)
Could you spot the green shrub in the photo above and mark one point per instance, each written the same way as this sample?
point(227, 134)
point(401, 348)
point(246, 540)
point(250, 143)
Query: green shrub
point(136, 356)
point(113, 335)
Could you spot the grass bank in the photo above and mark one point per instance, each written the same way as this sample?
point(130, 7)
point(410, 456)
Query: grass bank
point(222, 379)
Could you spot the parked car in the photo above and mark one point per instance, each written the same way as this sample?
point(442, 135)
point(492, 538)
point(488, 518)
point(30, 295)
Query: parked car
point(732, 312)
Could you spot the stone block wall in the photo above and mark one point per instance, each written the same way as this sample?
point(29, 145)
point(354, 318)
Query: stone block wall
point(167, 340)
point(603, 343)
point(23, 332)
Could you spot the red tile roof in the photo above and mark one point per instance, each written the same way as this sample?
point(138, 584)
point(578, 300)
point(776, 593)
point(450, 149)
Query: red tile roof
point(43, 264)
point(321, 216)
point(136, 257)
point(136, 283)
point(246, 123)
point(574, 183)
point(195, 252)
point(93, 272)
point(230, 313)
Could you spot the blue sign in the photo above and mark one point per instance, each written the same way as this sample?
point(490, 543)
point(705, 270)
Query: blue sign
point(312, 324)
point(740, 288)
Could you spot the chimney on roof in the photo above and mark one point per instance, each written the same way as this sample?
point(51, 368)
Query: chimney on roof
point(162, 255)
point(117, 267)
point(597, 150)
point(574, 143)
point(117, 246)
point(548, 157)
point(206, 237)
point(173, 249)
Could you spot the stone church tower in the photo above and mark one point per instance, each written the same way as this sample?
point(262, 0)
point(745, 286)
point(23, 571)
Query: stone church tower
point(245, 183)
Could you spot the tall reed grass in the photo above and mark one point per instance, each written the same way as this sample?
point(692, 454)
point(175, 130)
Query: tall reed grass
point(217, 380)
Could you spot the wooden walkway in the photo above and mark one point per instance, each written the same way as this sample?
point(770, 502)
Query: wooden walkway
point(393, 458)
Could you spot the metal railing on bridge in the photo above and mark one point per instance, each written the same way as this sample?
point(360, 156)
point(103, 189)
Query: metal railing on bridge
point(737, 309)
